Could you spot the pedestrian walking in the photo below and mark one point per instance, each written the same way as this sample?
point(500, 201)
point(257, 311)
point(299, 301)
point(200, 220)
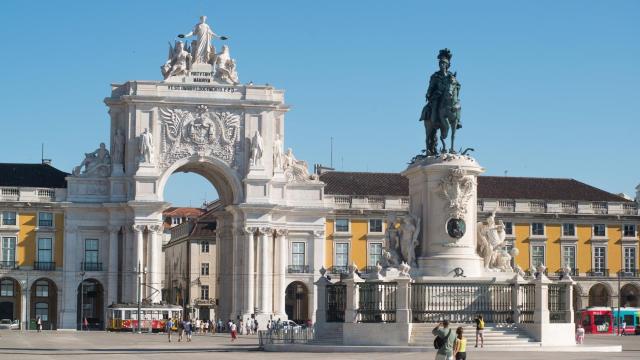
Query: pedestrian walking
point(39, 324)
point(180, 330)
point(460, 345)
point(255, 326)
point(169, 328)
point(198, 324)
point(206, 326)
point(623, 326)
point(233, 330)
point(269, 326)
point(85, 324)
point(579, 334)
point(188, 329)
point(444, 341)
point(479, 330)
point(248, 326)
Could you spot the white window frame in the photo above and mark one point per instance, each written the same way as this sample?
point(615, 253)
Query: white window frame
point(563, 264)
point(53, 219)
point(635, 231)
point(97, 250)
point(624, 258)
point(575, 231)
point(335, 226)
point(2, 217)
point(39, 284)
point(202, 267)
point(593, 257)
point(593, 231)
point(304, 253)
point(513, 230)
point(208, 292)
point(2, 247)
point(50, 237)
point(335, 252)
point(544, 230)
point(369, 244)
point(204, 244)
point(175, 220)
point(381, 226)
point(544, 254)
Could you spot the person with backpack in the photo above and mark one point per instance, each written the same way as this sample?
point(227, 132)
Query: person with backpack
point(444, 341)
point(479, 330)
point(169, 326)
point(460, 346)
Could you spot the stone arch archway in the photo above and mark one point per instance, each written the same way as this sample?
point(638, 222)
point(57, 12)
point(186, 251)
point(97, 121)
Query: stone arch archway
point(630, 295)
point(297, 302)
point(10, 299)
point(599, 295)
point(219, 174)
point(90, 305)
point(44, 303)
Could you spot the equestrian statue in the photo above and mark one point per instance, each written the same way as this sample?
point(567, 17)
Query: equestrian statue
point(442, 111)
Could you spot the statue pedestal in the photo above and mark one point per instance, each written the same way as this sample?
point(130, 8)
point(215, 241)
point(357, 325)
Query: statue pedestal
point(443, 193)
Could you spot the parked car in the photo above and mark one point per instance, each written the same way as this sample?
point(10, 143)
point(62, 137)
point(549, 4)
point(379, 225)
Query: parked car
point(6, 324)
point(287, 325)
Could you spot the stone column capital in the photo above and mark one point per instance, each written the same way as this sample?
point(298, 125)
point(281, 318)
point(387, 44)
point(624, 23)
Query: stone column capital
point(265, 230)
point(113, 228)
point(280, 232)
point(155, 228)
point(318, 233)
point(138, 227)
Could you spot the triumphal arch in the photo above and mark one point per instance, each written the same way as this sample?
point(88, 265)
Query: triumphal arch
point(200, 118)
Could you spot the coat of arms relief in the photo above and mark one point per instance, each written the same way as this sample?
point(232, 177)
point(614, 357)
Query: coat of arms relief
point(201, 132)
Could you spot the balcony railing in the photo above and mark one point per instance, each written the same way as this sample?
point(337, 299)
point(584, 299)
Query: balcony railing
point(573, 272)
point(629, 273)
point(339, 269)
point(44, 265)
point(91, 266)
point(9, 265)
point(598, 273)
point(298, 269)
point(369, 270)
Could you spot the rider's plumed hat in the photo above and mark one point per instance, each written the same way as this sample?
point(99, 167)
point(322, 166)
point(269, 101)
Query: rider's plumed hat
point(445, 55)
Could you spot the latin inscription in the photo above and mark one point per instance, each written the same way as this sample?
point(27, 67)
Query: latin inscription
point(202, 88)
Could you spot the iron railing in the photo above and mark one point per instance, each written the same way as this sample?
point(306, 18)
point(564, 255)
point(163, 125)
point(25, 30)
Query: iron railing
point(298, 269)
point(44, 265)
point(598, 273)
point(376, 302)
point(461, 303)
point(557, 296)
point(526, 303)
point(369, 270)
point(336, 302)
point(91, 266)
point(573, 272)
point(11, 265)
point(339, 269)
point(293, 335)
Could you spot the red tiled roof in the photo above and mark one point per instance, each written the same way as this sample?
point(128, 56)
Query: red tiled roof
point(489, 187)
point(183, 212)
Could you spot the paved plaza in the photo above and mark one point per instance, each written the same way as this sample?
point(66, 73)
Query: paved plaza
point(99, 345)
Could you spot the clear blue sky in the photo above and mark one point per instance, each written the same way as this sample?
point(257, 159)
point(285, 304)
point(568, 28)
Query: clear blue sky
point(549, 88)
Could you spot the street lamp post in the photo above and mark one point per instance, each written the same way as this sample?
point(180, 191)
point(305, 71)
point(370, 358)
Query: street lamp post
point(140, 273)
point(82, 300)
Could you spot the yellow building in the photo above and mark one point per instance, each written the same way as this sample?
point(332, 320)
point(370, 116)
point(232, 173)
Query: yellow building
point(555, 222)
point(31, 242)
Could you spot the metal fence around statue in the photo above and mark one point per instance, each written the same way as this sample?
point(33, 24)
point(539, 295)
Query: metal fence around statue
point(377, 302)
point(558, 308)
point(461, 303)
point(336, 302)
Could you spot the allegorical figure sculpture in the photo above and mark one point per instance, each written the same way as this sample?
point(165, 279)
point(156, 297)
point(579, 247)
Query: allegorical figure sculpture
point(257, 148)
point(491, 246)
point(442, 111)
point(410, 229)
point(295, 170)
point(225, 67)
point(203, 51)
point(178, 61)
point(96, 162)
point(145, 146)
point(393, 237)
point(117, 153)
point(278, 153)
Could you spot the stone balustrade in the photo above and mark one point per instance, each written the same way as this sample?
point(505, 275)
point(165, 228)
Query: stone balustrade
point(557, 207)
point(28, 194)
point(369, 202)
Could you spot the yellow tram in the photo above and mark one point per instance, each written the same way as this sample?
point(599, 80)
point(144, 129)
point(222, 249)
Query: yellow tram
point(153, 318)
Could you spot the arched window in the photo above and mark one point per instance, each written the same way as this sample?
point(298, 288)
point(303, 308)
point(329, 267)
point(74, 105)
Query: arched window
point(42, 288)
point(42, 311)
point(6, 287)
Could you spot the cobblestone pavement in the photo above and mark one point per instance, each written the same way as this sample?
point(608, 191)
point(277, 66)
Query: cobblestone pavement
point(122, 346)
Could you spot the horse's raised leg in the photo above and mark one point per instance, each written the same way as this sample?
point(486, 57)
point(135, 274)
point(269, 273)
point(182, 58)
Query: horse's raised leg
point(444, 131)
point(453, 137)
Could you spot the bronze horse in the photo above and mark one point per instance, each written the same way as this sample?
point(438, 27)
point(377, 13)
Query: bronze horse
point(443, 115)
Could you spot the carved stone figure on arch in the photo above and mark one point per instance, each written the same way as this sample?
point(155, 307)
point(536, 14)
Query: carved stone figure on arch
point(178, 61)
point(145, 146)
point(97, 162)
point(203, 51)
point(257, 148)
point(226, 67)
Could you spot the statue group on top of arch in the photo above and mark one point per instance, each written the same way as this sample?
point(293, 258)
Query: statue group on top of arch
point(189, 132)
point(491, 245)
point(182, 57)
point(96, 163)
point(402, 241)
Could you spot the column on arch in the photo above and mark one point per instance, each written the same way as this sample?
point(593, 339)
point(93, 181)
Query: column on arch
point(265, 305)
point(247, 235)
point(154, 253)
point(280, 256)
point(112, 269)
point(138, 255)
point(70, 278)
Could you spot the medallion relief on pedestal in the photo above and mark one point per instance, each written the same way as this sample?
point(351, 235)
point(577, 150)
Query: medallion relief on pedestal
point(201, 132)
point(457, 188)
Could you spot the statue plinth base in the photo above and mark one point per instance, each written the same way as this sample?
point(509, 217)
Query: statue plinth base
point(443, 194)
